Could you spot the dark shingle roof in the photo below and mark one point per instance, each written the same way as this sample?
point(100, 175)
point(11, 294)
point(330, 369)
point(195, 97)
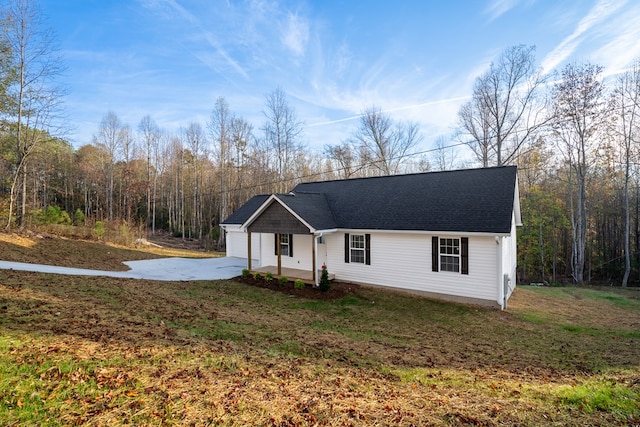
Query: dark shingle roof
point(313, 207)
point(245, 211)
point(470, 200)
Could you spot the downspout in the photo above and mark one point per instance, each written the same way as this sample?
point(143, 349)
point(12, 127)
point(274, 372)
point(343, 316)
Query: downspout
point(500, 300)
point(315, 243)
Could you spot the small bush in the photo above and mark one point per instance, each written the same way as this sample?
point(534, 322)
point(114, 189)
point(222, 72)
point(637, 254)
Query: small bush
point(283, 280)
point(246, 273)
point(78, 217)
point(257, 276)
point(298, 284)
point(268, 277)
point(325, 284)
point(99, 229)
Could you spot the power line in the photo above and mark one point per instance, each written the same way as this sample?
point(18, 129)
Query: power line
point(336, 170)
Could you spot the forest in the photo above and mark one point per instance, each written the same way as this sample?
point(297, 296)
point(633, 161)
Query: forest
point(573, 135)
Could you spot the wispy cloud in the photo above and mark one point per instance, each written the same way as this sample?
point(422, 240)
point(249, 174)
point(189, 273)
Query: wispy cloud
point(497, 8)
point(597, 14)
point(295, 34)
point(622, 47)
point(176, 9)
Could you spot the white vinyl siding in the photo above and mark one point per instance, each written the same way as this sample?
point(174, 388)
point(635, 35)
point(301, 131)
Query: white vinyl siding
point(301, 258)
point(403, 260)
point(236, 242)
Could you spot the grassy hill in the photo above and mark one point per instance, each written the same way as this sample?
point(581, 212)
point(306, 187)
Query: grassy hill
point(99, 351)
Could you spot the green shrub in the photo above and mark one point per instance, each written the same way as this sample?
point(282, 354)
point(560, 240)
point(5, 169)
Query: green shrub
point(298, 284)
point(325, 284)
point(51, 215)
point(257, 276)
point(283, 280)
point(268, 277)
point(99, 229)
point(246, 273)
point(78, 217)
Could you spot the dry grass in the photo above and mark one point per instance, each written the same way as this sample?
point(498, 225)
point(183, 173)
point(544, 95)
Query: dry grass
point(52, 250)
point(96, 351)
point(101, 351)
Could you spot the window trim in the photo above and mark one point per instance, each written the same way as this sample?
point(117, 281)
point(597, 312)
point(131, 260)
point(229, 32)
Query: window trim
point(348, 248)
point(289, 245)
point(359, 251)
point(463, 254)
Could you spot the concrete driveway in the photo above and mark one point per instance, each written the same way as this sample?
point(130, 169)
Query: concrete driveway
point(167, 269)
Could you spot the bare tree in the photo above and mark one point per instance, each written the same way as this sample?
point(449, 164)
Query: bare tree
point(579, 119)
point(343, 158)
point(150, 135)
point(241, 138)
point(382, 143)
point(282, 135)
point(445, 156)
point(196, 140)
point(110, 138)
point(506, 109)
point(128, 153)
point(219, 130)
point(625, 103)
point(33, 98)
point(474, 118)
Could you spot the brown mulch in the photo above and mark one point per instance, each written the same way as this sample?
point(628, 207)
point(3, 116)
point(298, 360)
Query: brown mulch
point(338, 289)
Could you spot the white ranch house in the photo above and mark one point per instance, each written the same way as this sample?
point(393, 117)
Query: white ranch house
point(450, 235)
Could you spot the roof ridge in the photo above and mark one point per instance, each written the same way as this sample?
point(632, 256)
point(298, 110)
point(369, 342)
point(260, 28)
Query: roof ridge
point(407, 174)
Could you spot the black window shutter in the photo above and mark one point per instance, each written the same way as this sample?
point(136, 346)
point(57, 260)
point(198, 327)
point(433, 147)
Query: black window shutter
point(434, 253)
point(346, 247)
point(367, 249)
point(290, 245)
point(275, 246)
point(464, 255)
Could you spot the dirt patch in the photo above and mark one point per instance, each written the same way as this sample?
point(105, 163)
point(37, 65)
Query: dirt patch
point(168, 240)
point(63, 252)
point(42, 248)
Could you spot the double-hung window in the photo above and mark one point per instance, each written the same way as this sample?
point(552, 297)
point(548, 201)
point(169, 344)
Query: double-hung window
point(357, 248)
point(286, 245)
point(450, 254)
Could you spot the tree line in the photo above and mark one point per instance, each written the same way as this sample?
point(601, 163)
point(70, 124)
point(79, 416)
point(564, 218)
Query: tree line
point(573, 135)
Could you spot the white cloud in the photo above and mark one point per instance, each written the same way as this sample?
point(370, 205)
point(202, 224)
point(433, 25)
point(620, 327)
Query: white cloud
point(597, 14)
point(171, 10)
point(497, 8)
point(295, 34)
point(622, 47)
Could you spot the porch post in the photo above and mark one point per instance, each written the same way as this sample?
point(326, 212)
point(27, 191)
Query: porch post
point(249, 250)
point(279, 254)
point(313, 260)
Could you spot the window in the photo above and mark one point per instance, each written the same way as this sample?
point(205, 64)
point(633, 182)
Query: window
point(357, 248)
point(450, 254)
point(286, 244)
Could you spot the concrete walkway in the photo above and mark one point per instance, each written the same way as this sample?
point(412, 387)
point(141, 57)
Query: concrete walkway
point(167, 269)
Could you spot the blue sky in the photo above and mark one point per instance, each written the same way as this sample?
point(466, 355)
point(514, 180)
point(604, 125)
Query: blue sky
point(415, 59)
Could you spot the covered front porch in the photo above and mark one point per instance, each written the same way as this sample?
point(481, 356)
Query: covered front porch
point(291, 273)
